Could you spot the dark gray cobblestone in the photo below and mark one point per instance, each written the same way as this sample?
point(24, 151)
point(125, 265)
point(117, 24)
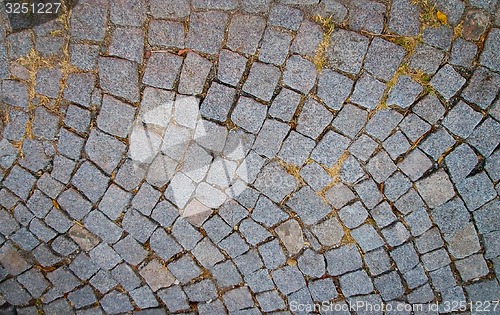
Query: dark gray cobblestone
point(345, 152)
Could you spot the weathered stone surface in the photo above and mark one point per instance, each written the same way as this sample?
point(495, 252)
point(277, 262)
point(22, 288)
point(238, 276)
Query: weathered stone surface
point(447, 82)
point(206, 31)
point(89, 19)
point(166, 33)
point(404, 18)
point(333, 88)
point(383, 58)
point(436, 189)
point(119, 77)
point(262, 80)
point(291, 235)
point(194, 73)
point(489, 58)
point(304, 170)
point(347, 51)
point(245, 33)
point(161, 70)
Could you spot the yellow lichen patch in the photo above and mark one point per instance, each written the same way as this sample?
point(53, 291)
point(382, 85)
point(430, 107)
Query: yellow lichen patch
point(19, 146)
point(429, 14)
point(442, 157)
point(56, 204)
point(33, 61)
point(334, 171)
point(328, 27)
point(421, 77)
point(388, 86)
point(409, 43)
point(347, 238)
point(442, 17)
point(458, 30)
point(43, 100)
point(382, 104)
point(326, 24)
point(4, 116)
point(56, 33)
point(230, 125)
point(319, 59)
point(293, 170)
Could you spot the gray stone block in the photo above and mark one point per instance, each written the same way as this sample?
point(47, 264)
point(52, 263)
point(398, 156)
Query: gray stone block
point(382, 123)
point(377, 261)
point(104, 150)
point(415, 164)
point(368, 92)
point(218, 102)
point(405, 257)
point(350, 120)
point(447, 82)
point(272, 254)
point(389, 285)
point(367, 238)
point(381, 167)
point(83, 267)
point(226, 275)
point(404, 18)
point(299, 74)
point(489, 58)
point(166, 34)
point(262, 81)
point(347, 51)
point(184, 269)
point(369, 193)
point(463, 53)
point(356, 283)
point(245, 33)
point(249, 114)
point(103, 281)
point(333, 88)
point(90, 181)
point(296, 148)
point(286, 17)
point(119, 77)
point(164, 245)
point(162, 70)
point(343, 259)
point(115, 302)
point(288, 279)
point(174, 298)
point(144, 297)
point(330, 149)
point(194, 74)
point(130, 250)
point(363, 147)
point(100, 225)
point(206, 31)
point(383, 58)
point(309, 207)
point(426, 58)
point(396, 234)
point(436, 189)
point(307, 39)
point(275, 46)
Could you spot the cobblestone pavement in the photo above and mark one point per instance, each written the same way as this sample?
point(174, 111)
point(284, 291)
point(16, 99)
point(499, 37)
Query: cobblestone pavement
point(253, 156)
